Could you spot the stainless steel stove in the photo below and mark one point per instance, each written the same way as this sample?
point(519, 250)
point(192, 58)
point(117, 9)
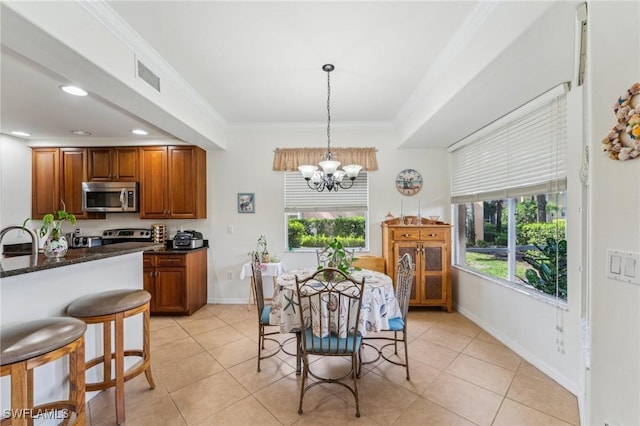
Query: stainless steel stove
point(126, 235)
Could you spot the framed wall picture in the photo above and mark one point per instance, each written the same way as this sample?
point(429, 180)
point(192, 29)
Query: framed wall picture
point(246, 202)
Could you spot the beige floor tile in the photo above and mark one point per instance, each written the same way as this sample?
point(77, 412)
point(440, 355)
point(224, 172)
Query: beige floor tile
point(381, 400)
point(443, 337)
point(425, 413)
point(271, 370)
point(333, 411)
point(282, 398)
point(431, 354)
point(211, 378)
point(235, 352)
point(497, 354)
point(199, 314)
point(218, 337)
point(481, 373)
point(183, 372)
point(158, 412)
point(464, 399)
point(545, 395)
point(247, 411)
point(167, 335)
point(136, 391)
point(206, 397)
point(513, 413)
point(182, 348)
point(421, 375)
point(202, 325)
point(158, 322)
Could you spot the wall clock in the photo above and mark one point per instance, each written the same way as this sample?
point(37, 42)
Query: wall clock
point(409, 182)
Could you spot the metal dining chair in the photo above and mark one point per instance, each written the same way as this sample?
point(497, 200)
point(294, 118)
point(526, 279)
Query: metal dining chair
point(404, 282)
point(263, 311)
point(329, 310)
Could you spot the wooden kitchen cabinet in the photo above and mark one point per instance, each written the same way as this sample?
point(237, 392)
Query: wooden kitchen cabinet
point(57, 175)
point(429, 245)
point(118, 164)
point(173, 182)
point(177, 281)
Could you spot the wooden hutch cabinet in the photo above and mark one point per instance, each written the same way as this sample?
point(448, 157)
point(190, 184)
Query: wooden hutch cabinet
point(429, 244)
point(177, 281)
point(118, 164)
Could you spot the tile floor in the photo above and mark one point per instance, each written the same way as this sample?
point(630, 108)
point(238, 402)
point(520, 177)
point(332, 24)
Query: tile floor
point(205, 372)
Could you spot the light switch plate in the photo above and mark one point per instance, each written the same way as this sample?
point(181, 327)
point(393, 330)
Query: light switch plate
point(623, 266)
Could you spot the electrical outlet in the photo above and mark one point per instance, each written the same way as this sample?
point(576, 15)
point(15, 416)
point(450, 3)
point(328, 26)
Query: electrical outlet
point(229, 275)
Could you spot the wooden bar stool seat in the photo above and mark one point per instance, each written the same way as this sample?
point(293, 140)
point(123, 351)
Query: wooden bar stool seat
point(105, 308)
point(23, 347)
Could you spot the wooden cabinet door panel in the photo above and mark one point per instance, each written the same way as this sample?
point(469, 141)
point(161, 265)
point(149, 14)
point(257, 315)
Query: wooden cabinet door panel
point(182, 177)
point(73, 166)
point(126, 162)
point(100, 164)
point(170, 291)
point(45, 179)
point(153, 182)
point(148, 283)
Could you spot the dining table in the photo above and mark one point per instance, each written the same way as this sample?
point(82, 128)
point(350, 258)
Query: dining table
point(379, 302)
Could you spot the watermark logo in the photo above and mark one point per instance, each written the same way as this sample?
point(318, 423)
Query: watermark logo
point(33, 413)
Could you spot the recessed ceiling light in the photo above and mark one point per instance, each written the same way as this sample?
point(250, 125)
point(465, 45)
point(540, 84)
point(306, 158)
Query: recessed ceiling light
point(74, 90)
point(81, 133)
point(139, 132)
point(19, 133)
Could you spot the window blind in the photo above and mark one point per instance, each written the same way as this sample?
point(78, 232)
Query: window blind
point(524, 155)
point(299, 197)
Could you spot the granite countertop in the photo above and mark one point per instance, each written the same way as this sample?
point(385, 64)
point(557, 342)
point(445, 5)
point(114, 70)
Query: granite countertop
point(17, 265)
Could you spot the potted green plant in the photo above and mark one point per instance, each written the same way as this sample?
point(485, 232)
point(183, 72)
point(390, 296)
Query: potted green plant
point(337, 257)
point(55, 245)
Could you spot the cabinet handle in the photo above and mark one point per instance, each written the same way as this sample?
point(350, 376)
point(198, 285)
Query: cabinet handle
point(433, 235)
point(406, 235)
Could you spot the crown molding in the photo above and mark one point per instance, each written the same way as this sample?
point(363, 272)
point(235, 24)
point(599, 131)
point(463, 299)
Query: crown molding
point(104, 14)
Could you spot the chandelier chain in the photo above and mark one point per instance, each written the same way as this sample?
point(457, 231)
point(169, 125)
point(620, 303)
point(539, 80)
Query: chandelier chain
point(328, 115)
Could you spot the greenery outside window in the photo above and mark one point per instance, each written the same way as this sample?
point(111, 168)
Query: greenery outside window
point(508, 189)
point(526, 248)
point(313, 219)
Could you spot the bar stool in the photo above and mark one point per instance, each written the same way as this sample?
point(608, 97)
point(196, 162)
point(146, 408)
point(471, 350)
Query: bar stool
point(105, 308)
point(26, 346)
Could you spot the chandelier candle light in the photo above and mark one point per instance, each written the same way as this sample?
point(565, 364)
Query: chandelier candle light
point(330, 177)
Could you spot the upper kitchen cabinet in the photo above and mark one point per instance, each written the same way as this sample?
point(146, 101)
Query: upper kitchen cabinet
point(173, 182)
point(118, 164)
point(57, 176)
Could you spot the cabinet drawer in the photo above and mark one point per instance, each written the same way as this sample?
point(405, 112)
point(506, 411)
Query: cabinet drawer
point(170, 260)
point(406, 234)
point(433, 234)
point(148, 261)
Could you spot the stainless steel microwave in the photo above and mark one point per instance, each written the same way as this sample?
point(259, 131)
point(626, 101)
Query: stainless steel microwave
point(110, 197)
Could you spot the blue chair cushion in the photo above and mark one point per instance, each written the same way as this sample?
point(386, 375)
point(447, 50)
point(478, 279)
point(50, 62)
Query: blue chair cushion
point(332, 344)
point(396, 324)
point(264, 316)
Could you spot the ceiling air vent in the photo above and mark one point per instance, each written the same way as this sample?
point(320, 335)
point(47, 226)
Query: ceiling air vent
point(147, 75)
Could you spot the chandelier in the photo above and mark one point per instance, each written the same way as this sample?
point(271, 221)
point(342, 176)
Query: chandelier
point(330, 177)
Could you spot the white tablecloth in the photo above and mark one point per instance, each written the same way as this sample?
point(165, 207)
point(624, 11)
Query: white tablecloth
point(268, 269)
point(379, 303)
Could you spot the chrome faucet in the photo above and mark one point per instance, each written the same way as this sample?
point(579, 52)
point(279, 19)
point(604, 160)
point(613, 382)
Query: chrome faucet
point(34, 237)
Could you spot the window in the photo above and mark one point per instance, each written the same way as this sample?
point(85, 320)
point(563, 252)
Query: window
point(314, 218)
point(509, 195)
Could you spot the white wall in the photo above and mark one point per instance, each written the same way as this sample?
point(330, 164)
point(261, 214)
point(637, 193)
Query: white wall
point(613, 391)
point(15, 186)
point(246, 166)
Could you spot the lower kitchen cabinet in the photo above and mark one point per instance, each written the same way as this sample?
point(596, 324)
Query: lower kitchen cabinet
point(177, 281)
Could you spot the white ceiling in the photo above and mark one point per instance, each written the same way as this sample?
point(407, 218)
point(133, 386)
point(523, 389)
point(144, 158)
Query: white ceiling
point(434, 71)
